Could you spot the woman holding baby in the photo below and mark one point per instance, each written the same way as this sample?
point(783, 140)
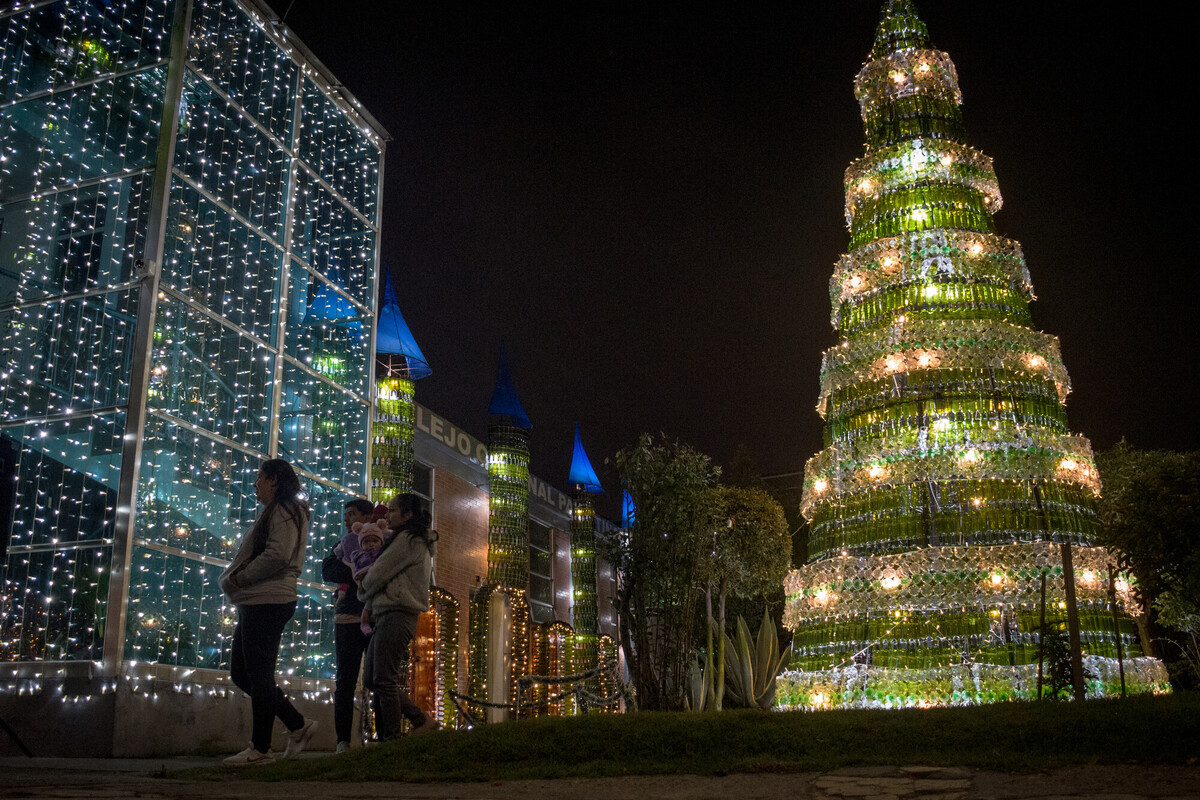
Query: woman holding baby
point(395, 591)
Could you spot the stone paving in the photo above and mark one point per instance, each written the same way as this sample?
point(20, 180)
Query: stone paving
point(152, 779)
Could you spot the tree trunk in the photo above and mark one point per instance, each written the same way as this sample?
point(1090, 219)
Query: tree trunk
point(715, 702)
point(720, 682)
point(1142, 621)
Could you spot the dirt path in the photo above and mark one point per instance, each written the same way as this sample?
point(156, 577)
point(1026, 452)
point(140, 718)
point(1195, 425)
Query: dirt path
point(107, 781)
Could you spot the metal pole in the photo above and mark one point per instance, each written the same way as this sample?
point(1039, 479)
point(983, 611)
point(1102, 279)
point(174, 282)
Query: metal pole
point(1073, 622)
point(1042, 635)
point(1112, 604)
point(148, 274)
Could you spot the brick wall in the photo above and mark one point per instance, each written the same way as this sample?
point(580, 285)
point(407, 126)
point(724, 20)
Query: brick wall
point(461, 520)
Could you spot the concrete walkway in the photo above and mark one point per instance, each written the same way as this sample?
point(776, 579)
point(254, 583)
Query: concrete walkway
point(150, 779)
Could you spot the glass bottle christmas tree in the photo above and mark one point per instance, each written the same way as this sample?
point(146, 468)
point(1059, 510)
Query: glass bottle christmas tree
point(949, 476)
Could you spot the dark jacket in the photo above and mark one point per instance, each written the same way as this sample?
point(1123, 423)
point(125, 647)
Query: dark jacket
point(334, 570)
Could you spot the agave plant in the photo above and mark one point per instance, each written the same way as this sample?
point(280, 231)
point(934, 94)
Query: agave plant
point(701, 681)
point(750, 672)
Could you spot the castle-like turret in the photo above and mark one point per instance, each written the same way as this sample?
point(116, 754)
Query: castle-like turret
point(399, 363)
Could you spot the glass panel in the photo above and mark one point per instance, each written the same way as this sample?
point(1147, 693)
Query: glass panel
point(178, 615)
point(539, 563)
point(177, 612)
point(322, 429)
point(66, 356)
point(539, 536)
point(307, 647)
point(73, 241)
point(55, 606)
point(76, 40)
point(222, 151)
point(220, 263)
point(211, 376)
point(423, 480)
point(195, 493)
point(333, 241)
point(233, 51)
point(65, 476)
point(95, 130)
point(325, 331)
point(325, 527)
point(339, 151)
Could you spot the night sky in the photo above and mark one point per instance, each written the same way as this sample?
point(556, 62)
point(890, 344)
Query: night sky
point(646, 204)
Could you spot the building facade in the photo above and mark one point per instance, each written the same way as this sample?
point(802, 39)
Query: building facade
point(189, 228)
point(188, 251)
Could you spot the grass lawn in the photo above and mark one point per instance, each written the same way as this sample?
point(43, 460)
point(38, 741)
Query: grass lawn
point(1017, 737)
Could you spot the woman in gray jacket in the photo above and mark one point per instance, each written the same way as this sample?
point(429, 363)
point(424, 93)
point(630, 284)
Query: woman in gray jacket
point(395, 592)
point(261, 583)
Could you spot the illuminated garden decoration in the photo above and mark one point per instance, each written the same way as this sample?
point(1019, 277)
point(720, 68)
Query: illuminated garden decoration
point(584, 609)
point(948, 469)
point(190, 213)
point(399, 363)
point(499, 635)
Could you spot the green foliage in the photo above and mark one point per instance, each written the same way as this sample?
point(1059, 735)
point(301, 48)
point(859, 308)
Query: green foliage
point(750, 672)
point(661, 562)
point(1056, 655)
point(700, 679)
point(1012, 737)
point(1150, 516)
point(749, 558)
point(752, 552)
point(1183, 651)
point(743, 471)
point(1150, 519)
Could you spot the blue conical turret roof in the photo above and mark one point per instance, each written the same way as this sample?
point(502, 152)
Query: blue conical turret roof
point(504, 399)
point(394, 337)
point(582, 474)
point(628, 510)
point(330, 306)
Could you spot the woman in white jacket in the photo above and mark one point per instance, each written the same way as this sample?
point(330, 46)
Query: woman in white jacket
point(395, 592)
point(261, 583)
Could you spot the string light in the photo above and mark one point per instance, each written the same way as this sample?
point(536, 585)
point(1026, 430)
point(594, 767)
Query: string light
point(261, 334)
point(948, 468)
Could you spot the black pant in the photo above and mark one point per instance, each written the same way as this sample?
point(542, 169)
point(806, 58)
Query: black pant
point(252, 667)
point(349, 643)
point(387, 655)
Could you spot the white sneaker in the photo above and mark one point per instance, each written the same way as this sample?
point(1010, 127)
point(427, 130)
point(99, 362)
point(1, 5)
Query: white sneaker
point(343, 747)
point(299, 738)
point(249, 757)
